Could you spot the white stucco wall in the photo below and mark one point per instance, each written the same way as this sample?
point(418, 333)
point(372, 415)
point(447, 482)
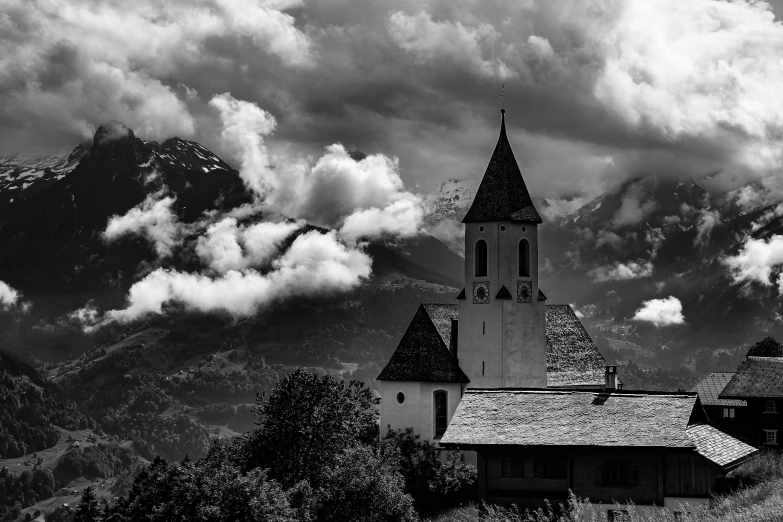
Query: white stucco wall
point(417, 411)
point(502, 343)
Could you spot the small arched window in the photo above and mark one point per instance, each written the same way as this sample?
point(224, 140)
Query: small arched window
point(480, 259)
point(524, 258)
point(441, 413)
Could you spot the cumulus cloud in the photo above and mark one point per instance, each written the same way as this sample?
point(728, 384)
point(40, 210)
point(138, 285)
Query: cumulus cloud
point(315, 264)
point(8, 296)
point(71, 65)
point(227, 246)
point(622, 271)
point(453, 42)
point(153, 219)
point(362, 198)
point(661, 312)
point(756, 260)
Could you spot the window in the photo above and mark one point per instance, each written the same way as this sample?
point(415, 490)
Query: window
point(481, 258)
point(524, 258)
point(618, 474)
point(618, 515)
point(770, 407)
point(441, 413)
point(771, 437)
point(551, 468)
point(728, 413)
point(400, 398)
point(512, 467)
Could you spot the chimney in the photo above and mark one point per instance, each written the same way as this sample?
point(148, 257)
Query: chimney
point(610, 378)
point(454, 334)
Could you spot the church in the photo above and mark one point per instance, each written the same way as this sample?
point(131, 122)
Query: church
point(520, 388)
point(501, 334)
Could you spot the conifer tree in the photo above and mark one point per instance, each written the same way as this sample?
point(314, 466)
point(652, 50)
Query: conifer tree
point(88, 510)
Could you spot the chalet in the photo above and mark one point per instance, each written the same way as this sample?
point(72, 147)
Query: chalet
point(608, 446)
point(730, 415)
point(759, 382)
point(519, 386)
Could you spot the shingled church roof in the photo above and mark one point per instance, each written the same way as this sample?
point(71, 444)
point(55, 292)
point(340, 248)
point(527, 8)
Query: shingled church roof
point(423, 353)
point(502, 195)
point(572, 358)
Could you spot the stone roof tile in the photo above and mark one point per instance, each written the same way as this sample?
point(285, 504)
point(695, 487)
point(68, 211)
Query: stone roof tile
point(572, 358)
point(756, 377)
point(423, 353)
point(717, 446)
point(570, 418)
point(711, 387)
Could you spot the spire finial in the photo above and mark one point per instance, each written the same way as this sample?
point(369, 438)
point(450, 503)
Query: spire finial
point(502, 95)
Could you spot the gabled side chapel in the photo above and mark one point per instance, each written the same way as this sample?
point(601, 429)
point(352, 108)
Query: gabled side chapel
point(519, 386)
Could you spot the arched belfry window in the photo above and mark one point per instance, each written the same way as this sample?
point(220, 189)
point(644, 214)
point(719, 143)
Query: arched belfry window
point(441, 413)
point(480, 259)
point(524, 258)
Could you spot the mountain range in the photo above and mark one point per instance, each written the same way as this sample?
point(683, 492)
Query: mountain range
point(649, 238)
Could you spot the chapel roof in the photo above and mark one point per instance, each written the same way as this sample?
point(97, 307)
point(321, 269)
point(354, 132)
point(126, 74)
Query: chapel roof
point(423, 352)
point(571, 418)
point(711, 387)
point(756, 377)
point(502, 195)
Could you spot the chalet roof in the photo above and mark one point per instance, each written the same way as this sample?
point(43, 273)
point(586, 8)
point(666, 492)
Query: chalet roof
point(711, 387)
point(502, 195)
point(767, 347)
point(570, 418)
point(423, 353)
point(572, 359)
point(756, 377)
point(717, 446)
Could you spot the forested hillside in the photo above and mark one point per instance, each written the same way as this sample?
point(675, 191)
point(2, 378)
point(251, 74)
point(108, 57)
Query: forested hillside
point(32, 407)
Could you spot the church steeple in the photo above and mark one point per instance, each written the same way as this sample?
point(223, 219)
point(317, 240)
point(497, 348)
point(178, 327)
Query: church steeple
point(502, 195)
point(502, 316)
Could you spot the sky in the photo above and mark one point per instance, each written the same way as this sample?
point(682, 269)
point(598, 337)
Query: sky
point(596, 90)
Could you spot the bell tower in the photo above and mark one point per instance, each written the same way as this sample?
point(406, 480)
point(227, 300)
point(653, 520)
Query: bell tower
point(502, 312)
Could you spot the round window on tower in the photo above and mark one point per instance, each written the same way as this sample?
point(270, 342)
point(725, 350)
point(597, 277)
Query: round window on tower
point(523, 229)
point(481, 229)
point(400, 398)
point(502, 228)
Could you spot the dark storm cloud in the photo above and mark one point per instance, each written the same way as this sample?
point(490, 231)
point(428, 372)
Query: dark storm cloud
point(596, 91)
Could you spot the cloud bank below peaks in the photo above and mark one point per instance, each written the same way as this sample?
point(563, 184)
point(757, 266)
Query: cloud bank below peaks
point(153, 219)
point(244, 270)
point(315, 264)
point(362, 199)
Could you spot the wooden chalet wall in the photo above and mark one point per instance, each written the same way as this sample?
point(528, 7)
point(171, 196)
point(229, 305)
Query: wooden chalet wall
point(738, 426)
point(759, 420)
point(689, 475)
point(660, 473)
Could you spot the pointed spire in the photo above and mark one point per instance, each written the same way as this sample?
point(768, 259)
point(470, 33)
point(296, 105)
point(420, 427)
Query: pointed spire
point(502, 195)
